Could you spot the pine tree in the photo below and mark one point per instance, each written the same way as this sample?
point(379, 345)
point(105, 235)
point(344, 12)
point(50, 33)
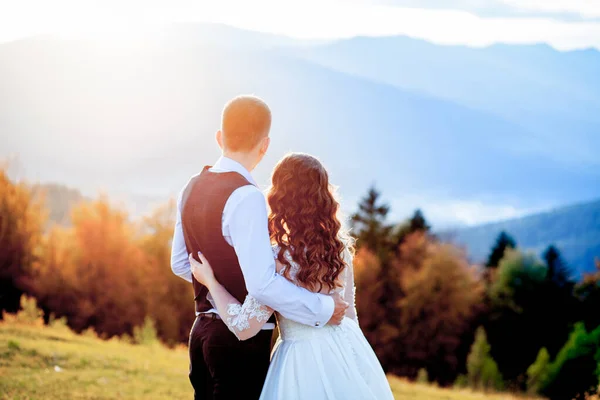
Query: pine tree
point(572, 372)
point(558, 271)
point(400, 232)
point(539, 372)
point(503, 242)
point(482, 370)
point(418, 222)
point(369, 223)
point(522, 302)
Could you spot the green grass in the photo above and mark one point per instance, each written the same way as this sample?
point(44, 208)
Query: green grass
point(54, 363)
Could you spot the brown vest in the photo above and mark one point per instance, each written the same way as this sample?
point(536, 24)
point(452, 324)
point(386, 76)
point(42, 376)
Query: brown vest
point(203, 202)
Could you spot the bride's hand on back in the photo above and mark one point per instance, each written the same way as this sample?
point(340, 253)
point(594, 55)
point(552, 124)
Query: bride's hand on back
point(202, 271)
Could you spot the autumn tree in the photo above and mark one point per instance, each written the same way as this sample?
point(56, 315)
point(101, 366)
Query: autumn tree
point(370, 304)
point(21, 221)
point(96, 271)
point(588, 292)
point(170, 298)
point(441, 296)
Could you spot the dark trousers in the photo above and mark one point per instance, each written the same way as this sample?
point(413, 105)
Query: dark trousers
point(222, 367)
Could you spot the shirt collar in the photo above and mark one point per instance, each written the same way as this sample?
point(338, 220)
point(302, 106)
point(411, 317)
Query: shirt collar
point(225, 164)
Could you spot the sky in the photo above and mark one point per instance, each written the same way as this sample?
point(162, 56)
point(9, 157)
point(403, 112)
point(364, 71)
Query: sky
point(563, 24)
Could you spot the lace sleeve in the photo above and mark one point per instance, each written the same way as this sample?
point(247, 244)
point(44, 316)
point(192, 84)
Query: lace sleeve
point(350, 289)
point(245, 320)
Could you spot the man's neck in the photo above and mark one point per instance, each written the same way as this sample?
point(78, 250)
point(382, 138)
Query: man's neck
point(247, 160)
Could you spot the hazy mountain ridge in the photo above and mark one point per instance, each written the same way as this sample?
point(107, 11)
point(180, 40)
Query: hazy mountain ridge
point(574, 230)
point(140, 117)
point(545, 91)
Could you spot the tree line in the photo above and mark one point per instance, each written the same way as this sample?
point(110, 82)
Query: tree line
point(517, 323)
point(102, 271)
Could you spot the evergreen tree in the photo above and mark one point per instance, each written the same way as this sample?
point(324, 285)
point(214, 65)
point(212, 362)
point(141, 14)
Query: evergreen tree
point(418, 222)
point(558, 271)
point(503, 242)
point(573, 372)
point(539, 372)
point(522, 303)
point(482, 370)
point(369, 223)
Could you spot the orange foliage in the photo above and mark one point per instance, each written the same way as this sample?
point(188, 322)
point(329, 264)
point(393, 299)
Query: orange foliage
point(170, 298)
point(21, 221)
point(441, 296)
point(369, 300)
point(106, 273)
point(417, 308)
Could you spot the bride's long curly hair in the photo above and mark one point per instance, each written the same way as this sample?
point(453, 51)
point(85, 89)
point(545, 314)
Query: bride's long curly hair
point(304, 221)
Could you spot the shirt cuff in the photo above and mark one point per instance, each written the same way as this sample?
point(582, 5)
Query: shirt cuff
point(327, 308)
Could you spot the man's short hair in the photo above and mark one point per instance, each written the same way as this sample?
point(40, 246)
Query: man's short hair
point(244, 122)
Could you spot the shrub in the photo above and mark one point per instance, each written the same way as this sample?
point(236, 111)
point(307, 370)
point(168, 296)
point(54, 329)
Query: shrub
point(573, 373)
point(538, 373)
point(423, 376)
point(29, 312)
point(125, 338)
point(461, 382)
point(59, 323)
point(482, 370)
point(13, 345)
point(146, 334)
point(89, 332)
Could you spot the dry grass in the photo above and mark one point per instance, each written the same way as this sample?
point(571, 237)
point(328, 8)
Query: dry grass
point(404, 389)
point(54, 363)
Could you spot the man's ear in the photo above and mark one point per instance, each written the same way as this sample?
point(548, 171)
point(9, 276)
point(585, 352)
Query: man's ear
point(265, 145)
point(219, 137)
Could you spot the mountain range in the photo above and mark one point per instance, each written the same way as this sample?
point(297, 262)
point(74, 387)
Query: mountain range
point(574, 230)
point(469, 135)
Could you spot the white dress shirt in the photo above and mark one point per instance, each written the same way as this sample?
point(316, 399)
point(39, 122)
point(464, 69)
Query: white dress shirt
point(245, 227)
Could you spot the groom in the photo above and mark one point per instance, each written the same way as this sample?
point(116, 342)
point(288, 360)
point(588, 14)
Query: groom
point(222, 213)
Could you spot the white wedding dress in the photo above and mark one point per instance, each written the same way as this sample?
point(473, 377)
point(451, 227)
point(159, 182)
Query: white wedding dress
point(310, 363)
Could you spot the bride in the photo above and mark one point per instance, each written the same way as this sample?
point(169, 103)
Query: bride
point(307, 363)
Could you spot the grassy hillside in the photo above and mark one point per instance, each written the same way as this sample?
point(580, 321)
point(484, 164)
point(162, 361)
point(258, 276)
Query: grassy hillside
point(54, 363)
